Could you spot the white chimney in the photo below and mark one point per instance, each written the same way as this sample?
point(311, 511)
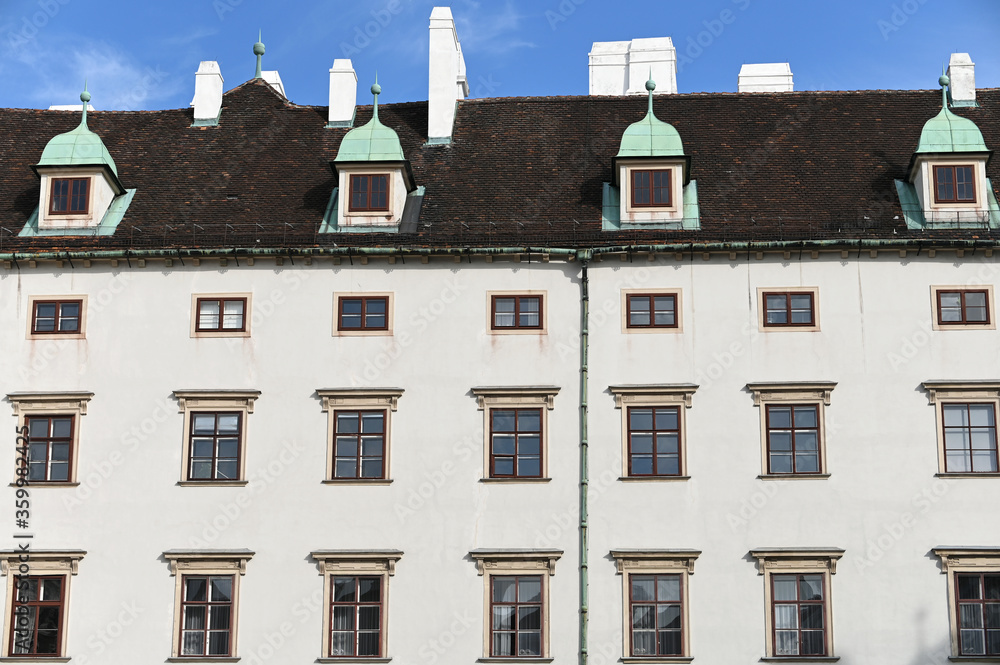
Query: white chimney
point(207, 100)
point(343, 93)
point(447, 82)
point(622, 68)
point(962, 72)
point(274, 80)
point(766, 77)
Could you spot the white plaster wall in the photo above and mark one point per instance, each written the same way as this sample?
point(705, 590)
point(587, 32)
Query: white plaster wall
point(876, 341)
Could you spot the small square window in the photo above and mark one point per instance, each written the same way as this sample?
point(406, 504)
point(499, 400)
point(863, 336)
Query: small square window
point(967, 426)
point(362, 313)
point(962, 308)
point(517, 312)
point(792, 427)
point(214, 446)
point(57, 316)
point(954, 184)
point(221, 315)
point(652, 310)
point(651, 188)
point(69, 196)
point(788, 309)
point(369, 193)
point(516, 431)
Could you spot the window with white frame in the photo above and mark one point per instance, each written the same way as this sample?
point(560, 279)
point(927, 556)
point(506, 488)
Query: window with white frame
point(220, 314)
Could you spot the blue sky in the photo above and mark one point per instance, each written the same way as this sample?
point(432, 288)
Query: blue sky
point(143, 55)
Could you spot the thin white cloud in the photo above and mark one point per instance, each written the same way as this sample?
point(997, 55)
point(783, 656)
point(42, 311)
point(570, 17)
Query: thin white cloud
point(491, 32)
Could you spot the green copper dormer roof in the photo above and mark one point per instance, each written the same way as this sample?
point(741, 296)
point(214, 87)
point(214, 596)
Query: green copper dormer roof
point(78, 147)
point(947, 132)
point(372, 142)
point(651, 137)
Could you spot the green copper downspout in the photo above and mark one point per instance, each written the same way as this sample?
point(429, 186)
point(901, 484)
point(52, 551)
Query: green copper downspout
point(584, 257)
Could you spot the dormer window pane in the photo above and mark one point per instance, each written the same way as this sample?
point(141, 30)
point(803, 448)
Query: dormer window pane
point(954, 184)
point(651, 188)
point(369, 192)
point(69, 196)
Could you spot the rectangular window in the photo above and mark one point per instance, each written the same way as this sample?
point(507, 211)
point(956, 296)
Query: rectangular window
point(963, 307)
point(654, 446)
point(656, 611)
point(360, 444)
point(516, 611)
point(369, 193)
point(978, 613)
point(788, 309)
point(970, 437)
point(207, 613)
point(651, 188)
point(50, 448)
point(652, 310)
point(515, 443)
point(221, 315)
point(793, 438)
point(215, 440)
point(954, 184)
point(365, 313)
point(56, 317)
point(516, 312)
point(69, 196)
point(37, 616)
point(356, 617)
point(799, 611)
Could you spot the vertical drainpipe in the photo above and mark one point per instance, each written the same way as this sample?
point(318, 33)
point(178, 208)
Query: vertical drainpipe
point(584, 256)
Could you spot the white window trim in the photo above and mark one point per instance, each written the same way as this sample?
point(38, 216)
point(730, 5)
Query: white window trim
point(247, 315)
point(923, 170)
point(762, 308)
point(782, 561)
point(191, 401)
point(55, 337)
point(49, 404)
point(655, 562)
point(935, 325)
point(206, 562)
point(665, 394)
point(515, 397)
point(351, 399)
point(940, 393)
point(389, 318)
point(964, 560)
point(501, 562)
point(543, 312)
point(802, 392)
point(355, 563)
point(395, 196)
point(678, 311)
point(651, 214)
point(40, 562)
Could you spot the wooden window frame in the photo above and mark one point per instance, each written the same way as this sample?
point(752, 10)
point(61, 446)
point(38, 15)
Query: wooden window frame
point(657, 563)
point(941, 394)
point(515, 563)
point(53, 181)
point(954, 172)
point(59, 304)
point(665, 395)
point(820, 561)
point(792, 394)
point(185, 564)
point(192, 402)
point(215, 436)
point(222, 302)
point(794, 429)
point(359, 457)
point(208, 604)
point(811, 325)
point(50, 441)
point(517, 433)
point(52, 405)
point(957, 561)
point(964, 324)
point(334, 400)
point(364, 296)
point(651, 298)
point(517, 298)
point(668, 174)
point(513, 398)
point(38, 605)
point(517, 604)
point(355, 563)
point(384, 299)
point(63, 564)
point(368, 207)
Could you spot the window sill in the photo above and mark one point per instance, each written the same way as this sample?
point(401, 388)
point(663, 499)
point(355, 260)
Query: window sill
point(516, 659)
point(513, 480)
point(204, 659)
point(770, 329)
point(990, 474)
point(974, 659)
point(211, 483)
point(40, 483)
point(793, 476)
point(517, 331)
point(34, 659)
point(361, 333)
point(800, 659)
point(57, 336)
point(219, 333)
point(657, 659)
point(654, 479)
point(356, 481)
point(354, 659)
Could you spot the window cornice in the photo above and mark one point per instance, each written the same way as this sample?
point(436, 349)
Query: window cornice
point(357, 561)
point(778, 559)
point(195, 561)
point(334, 397)
point(943, 390)
point(653, 393)
point(638, 561)
point(765, 391)
point(42, 561)
point(515, 559)
point(493, 395)
point(967, 558)
point(190, 399)
point(49, 401)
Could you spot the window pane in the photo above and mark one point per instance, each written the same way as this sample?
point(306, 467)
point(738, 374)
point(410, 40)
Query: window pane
point(643, 616)
point(779, 416)
point(984, 461)
point(503, 644)
point(371, 446)
point(503, 421)
point(668, 616)
point(640, 419)
point(981, 415)
point(227, 470)
point(642, 465)
point(642, 588)
point(529, 644)
point(343, 589)
point(529, 467)
point(59, 471)
point(811, 587)
point(529, 421)
point(229, 448)
point(52, 589)
point(970, 615)
point(208, 314)
point(503, 617)
point(644, 643)
point(529, 444)
point(61, 426)
point(806, 463)
point(195, 589)
point(785, 587)
point(371, 468)
point(642, 443)
point(194, 644)
point(992, 584)
point(666, 444)
point(38, 427)
point(812, 643)
point(805, 416)
point(668, 588)
point(194, 618)
point(529, 618)
point(780, 441)
point(503, 590)
point(347, 446)
point(368, 644)
point(342, 644)
point(504, 466)
point(201, 447)
point(811, 616)
point(368, 618)
point(219, 615)
point(218, 644)
point(503, 444)
point(233, 314)
point(973, 643)
point(204, 423)
point(670, 643)
point(666, 419)
point(369, 589)
point(529, 590)
point(222, 589)
point(786, 616)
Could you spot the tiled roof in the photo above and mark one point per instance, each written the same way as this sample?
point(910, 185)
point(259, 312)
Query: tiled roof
point(519, 171)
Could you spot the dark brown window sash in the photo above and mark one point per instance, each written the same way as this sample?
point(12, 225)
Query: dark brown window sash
point(70, 196)
point(954, 183)
point(369, 180)
point(220, 327)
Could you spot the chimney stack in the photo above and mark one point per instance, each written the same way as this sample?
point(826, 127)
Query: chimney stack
point(962, 72)
point(207, 100)
point(343, 93)
point(622, 68)
point(447, 81)
point(766, 77)
point(272, 78)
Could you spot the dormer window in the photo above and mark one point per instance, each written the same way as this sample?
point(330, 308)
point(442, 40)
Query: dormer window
point(369, 192)
point(651, 189)
point(954, 184)
point(69, 196)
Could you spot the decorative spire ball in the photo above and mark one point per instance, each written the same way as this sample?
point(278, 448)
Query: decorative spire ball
point(258, 50)
point(84, 97)
point(651, 86)
point(943, 80)
point(376, 90)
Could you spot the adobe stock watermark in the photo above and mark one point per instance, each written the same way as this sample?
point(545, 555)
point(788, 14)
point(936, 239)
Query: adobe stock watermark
point(696, 46)
point(371, 30)
point(102, 640)
point(31, 24)
point(901, 13)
